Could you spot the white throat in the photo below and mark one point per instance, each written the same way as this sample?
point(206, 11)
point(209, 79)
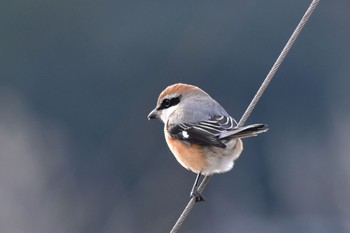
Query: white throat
point(164, 116)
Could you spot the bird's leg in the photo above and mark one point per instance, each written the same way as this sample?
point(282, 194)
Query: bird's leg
point(194, 192)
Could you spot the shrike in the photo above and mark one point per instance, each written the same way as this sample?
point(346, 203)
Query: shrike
point(203, 137)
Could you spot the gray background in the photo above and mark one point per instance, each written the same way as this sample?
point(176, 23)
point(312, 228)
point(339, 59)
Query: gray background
point(78, 78)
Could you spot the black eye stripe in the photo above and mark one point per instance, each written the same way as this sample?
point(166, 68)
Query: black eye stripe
point(169, 102)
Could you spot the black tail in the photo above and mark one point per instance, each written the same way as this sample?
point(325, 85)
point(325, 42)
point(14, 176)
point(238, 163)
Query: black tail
point(245, 131)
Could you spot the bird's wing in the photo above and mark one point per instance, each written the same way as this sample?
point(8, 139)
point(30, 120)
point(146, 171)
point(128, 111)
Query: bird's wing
point(206, 132)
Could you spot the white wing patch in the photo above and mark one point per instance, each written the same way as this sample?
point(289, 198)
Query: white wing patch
point(185, 134)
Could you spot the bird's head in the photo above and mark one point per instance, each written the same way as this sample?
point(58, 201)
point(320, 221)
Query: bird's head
point(174, 97)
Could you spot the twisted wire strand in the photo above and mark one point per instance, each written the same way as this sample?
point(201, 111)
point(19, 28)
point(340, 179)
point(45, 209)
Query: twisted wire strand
point(190, 205)
point(252, 104)
point(278, 62)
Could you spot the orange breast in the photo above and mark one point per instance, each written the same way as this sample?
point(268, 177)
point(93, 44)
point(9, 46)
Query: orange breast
point(189, 156)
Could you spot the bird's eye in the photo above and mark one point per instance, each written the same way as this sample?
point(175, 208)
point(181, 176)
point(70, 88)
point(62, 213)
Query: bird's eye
point(166, 103)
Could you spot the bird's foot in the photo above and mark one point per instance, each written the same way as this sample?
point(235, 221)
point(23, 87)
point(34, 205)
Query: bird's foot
point(198, 197)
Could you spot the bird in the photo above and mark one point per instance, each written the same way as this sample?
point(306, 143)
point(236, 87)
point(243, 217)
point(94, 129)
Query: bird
point(199, 132)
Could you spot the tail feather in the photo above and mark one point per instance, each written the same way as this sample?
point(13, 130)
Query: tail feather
point(245, 131)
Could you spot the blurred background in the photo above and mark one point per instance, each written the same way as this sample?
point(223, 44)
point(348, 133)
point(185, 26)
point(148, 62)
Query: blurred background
point(78, 78)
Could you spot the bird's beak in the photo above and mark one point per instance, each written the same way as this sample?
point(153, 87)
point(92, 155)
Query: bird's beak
point(153, 114)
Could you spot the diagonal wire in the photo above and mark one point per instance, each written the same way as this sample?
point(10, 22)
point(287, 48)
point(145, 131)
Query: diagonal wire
point(252, 104)
point(278, 62)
